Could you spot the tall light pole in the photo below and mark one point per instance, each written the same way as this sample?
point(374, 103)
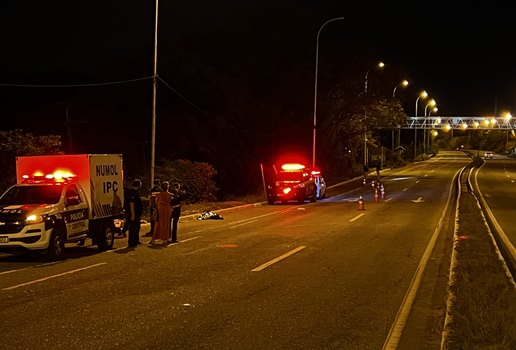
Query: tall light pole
point(422, 95)
point(379, 65)
point(435, 109)
point(315, 88)
point(432, 104)
point(154, 78)
point(404, 83)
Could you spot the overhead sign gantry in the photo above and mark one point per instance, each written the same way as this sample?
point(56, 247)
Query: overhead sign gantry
point(461, 123)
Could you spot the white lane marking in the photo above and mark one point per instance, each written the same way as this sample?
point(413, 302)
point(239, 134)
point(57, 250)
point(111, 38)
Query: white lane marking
point(53, 276)
point(417, 181)
point(11, 271)
point(419, 200)
point(356, 217)
point(189, 239)
point(244, 223)
point(279, 258)
point(388, 199)
point(405, 189)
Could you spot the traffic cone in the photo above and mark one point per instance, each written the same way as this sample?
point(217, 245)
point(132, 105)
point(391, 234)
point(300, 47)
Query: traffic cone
point(383, 192)
point(376, 195)
point(361, 204)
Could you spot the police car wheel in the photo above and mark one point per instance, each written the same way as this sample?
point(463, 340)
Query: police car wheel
point(106, 239)
point(55, 246)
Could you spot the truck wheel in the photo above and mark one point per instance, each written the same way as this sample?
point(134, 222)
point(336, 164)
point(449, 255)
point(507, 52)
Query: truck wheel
point(55, 246)
point(105, 239)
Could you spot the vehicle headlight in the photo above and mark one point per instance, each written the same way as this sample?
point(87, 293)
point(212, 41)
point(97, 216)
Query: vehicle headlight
point(33, 219)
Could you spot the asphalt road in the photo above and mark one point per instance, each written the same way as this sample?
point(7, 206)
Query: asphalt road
point(496, 180)
point(322, 275)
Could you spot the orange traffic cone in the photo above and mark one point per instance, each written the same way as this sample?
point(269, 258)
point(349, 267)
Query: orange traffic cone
point(361, 204)
point(376, 195)
point(383, 192)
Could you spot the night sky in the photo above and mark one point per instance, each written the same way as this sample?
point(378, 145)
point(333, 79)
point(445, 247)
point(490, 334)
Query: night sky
point(462, 54)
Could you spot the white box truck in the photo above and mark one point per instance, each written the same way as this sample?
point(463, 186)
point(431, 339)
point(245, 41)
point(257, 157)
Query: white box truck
point(60, 199)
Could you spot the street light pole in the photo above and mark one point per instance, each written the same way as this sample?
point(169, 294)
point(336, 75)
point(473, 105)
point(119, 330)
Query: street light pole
point(315, 87)
point(379, 65)
point(404, 83)
point(430, 103)
point(154, 78)
point(423, 95)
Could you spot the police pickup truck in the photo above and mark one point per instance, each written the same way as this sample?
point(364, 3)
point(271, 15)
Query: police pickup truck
point(60, 199)
point(292, 182)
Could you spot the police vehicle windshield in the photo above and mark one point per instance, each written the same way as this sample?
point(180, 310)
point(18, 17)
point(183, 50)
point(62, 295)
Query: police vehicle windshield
point(37, 194)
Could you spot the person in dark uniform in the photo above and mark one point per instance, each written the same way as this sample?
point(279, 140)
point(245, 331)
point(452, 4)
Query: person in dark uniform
point(177, 197)
point(155, 190)
point(134, 208)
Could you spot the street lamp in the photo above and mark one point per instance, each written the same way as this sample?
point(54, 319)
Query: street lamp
point(404, 83)
point(379, 65)
point(507, 117)
point(315, 88)
point(432, 104)
point(422, 95)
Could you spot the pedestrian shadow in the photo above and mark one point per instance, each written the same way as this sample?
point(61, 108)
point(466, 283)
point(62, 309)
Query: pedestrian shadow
point(124, 250)
point(157, 246)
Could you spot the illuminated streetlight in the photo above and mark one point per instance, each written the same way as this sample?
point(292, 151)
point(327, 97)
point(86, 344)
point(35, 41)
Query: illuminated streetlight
point(435, 109)
point(315, 88)
point(432, 104)
point(404, 83)
point(422, 95)
point(379, 65)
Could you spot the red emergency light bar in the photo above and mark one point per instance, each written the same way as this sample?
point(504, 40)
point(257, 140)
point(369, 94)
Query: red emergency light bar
point(57, 176)
point(292, 167)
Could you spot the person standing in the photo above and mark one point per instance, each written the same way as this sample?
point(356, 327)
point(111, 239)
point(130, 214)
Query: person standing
point(177, 197)
point(164, 210)
point(155, 190)
point(135, 208)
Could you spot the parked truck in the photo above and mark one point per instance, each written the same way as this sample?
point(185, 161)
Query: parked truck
point(61, 199)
